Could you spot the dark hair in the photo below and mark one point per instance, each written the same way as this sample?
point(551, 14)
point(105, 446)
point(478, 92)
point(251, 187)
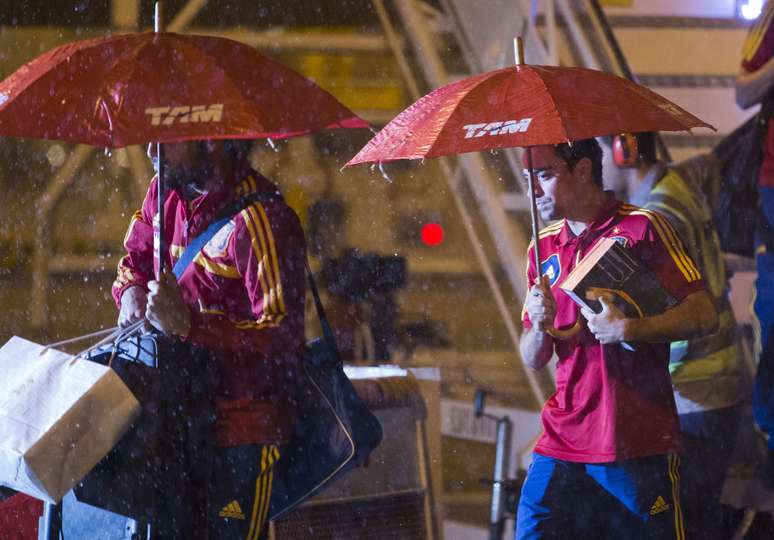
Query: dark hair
point(586, 148)
point(646, 146)
point(239, 148)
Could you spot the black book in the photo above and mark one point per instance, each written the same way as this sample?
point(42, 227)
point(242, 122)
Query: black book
point(609, 268)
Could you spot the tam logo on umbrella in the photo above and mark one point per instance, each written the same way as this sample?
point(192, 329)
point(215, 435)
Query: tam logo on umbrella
point(185, 113)
point(162, 87)
point(497, 128)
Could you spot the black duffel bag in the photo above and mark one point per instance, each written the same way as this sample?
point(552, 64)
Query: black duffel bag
point(737, 211)
point(162, 464)
point(335, 431)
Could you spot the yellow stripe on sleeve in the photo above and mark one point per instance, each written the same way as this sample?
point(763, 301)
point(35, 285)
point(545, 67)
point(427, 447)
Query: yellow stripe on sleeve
point(137, 216)
point(678, 243)
point(261, 224)
point(213, 267)
point(758, 33)
point(257, 249)
point(265, 260)
point(669, 238)
point(274, 259)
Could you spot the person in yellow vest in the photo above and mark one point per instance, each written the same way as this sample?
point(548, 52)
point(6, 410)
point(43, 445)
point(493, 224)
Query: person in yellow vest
point(706, 372)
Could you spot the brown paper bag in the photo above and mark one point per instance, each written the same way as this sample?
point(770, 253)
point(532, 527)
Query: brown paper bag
point(58, 418)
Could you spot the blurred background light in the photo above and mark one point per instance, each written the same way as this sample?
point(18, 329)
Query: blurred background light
point(56, 155)
point(432, 234)
point(750, 9)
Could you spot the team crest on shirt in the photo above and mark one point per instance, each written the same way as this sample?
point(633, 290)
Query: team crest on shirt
point(621, 240)
point(551, 268)
point(218, 244)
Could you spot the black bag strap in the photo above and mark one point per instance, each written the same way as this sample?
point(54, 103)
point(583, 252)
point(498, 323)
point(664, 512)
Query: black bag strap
point(328, 337)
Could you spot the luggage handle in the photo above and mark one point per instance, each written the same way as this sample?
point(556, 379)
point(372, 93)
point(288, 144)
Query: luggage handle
point(114, 334)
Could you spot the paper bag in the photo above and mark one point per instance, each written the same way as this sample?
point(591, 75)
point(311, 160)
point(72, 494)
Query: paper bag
point(58, 418)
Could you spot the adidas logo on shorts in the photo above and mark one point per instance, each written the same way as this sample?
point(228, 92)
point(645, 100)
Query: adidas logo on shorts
point(233, 511)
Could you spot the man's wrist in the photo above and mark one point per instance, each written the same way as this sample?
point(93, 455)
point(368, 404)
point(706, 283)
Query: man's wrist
point(631, 329)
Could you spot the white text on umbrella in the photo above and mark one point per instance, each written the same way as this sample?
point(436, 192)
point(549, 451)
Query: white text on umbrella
point(497, 128)
point(185, 113)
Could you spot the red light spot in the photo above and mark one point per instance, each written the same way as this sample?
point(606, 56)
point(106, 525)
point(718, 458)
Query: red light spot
point(432, 234)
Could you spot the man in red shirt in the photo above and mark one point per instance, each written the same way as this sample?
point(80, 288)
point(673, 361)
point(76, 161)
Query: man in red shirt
point(605, 465)
point(242, 298)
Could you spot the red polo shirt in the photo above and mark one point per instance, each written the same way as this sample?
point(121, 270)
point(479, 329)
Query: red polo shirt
point(758, 49)
point(611, 404)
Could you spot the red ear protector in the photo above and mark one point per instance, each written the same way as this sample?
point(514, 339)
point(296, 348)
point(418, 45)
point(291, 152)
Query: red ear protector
point(626, 154)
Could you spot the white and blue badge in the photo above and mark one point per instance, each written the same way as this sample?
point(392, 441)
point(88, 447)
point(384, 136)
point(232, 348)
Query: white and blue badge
point(621, 240)
point(551, 269)
point(218, 244)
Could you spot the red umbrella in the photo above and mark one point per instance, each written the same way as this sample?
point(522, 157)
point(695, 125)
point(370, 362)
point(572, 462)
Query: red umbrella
point(162, 87)
point(523, 105)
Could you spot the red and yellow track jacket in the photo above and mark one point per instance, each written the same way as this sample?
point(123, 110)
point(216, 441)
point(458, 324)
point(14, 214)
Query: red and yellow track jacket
point(245, 290)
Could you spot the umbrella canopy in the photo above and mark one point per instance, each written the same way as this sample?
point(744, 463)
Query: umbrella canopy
point(524, 105)
point(162, 87)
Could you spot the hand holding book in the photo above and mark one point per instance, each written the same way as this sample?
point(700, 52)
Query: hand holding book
point(609, 325)
point(611, 285)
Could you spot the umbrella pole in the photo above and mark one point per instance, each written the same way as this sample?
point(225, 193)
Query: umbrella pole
point(554, 332)
point(518, 51)
point(161, 247)
point(518, 54)
point(533, 212)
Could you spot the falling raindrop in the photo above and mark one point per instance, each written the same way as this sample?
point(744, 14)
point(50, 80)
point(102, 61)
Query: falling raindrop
point(384, 174)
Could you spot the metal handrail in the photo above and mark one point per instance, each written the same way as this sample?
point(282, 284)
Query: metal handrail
point(511, 245)
point(618, 58)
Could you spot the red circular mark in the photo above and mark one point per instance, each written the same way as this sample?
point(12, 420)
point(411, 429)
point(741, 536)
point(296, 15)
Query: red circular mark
point(432, 234)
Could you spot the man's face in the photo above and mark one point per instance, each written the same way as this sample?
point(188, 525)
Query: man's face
point(186, 163)
point(555, 184)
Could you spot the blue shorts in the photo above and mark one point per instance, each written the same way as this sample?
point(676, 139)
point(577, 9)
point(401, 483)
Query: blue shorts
point(632, 499)
point(763, 388)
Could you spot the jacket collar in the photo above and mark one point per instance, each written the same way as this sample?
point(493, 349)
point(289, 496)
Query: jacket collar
point(606, 214)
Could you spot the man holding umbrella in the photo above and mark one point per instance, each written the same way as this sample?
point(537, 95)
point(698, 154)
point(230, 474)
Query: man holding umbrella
point(242, 298)
point(611, 427)
point(605, 466)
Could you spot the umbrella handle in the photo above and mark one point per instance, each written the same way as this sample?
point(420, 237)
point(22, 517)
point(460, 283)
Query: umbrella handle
point(564, 334)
